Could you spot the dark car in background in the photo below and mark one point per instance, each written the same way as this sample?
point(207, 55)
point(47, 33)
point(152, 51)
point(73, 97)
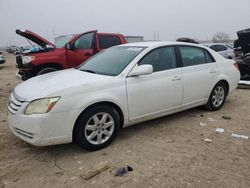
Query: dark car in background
point(243, 59)
point(2, 59)
point(12, 49)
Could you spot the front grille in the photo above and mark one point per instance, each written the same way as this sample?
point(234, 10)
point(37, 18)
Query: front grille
point(14, 103)
point(24, 133)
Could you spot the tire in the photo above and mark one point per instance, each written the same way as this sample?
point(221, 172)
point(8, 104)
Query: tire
point(217, 97)
point(90, 132)
point(46, 70)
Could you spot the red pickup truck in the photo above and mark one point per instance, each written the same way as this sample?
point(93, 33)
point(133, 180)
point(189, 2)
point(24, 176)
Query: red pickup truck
point(70, 53)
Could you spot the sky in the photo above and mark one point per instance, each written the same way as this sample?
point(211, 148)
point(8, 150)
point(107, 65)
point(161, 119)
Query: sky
point(168, 19)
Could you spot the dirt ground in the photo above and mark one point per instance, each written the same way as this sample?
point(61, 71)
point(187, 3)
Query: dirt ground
point(167, 152)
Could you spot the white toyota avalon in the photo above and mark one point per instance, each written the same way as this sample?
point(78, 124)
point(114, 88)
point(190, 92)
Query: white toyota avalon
point(118, 87)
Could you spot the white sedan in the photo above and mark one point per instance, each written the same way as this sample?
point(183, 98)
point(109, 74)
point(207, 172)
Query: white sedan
point(118, 87)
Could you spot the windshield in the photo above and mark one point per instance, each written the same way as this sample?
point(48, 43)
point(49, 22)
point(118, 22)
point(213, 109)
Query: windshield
point(111, 61)
point(62, 40)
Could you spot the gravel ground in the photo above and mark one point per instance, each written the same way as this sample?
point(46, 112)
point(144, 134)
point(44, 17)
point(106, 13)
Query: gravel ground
point(167, 152)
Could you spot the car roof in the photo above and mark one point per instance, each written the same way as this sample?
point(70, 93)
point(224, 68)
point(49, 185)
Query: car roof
point(159, 44)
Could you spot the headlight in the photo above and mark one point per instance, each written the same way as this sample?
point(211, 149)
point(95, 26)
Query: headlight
point(41, 106)
point(27, 59)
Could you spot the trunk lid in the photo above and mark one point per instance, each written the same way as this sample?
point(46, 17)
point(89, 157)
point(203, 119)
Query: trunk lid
point(244, 40)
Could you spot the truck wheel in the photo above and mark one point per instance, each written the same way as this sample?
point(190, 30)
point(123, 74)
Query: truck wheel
point(97, 127)
point(46, 70)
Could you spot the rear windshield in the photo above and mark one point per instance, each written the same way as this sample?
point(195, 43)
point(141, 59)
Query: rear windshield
point(111, 61)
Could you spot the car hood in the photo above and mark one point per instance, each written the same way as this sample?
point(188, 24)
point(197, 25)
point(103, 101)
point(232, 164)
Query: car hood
point(51, 84)
point(34, 38)
point(244, 40)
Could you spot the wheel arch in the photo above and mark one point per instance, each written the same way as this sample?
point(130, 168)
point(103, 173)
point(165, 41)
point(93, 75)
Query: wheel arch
point(112, 104)
point(225, 82)
point(46, 65)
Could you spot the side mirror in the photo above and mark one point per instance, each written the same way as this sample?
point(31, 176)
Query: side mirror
point(69, 46)
point(141, 70)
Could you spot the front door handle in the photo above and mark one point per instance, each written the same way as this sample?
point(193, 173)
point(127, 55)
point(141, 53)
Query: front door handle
point(176, 78)
point(212, 71)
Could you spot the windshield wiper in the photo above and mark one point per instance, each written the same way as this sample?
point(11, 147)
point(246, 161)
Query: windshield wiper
point(86, 70)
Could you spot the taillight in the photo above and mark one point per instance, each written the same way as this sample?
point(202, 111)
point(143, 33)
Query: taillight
point(236, 66)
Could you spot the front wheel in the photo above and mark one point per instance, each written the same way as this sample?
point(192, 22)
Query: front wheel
point(217, 97)
point(97, 127)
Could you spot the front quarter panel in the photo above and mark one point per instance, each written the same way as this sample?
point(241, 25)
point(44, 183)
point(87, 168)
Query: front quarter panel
point(55, 56)
point(81, 97)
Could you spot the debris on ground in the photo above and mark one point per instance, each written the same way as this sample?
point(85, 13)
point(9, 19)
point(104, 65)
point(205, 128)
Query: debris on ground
point(97, 169)
point(203, 124)
point(219, 130)
point(59, 173)
point(211, 119)
point(73, 178)
point(129, 168)
point(202, 115)
point(239, 136)
point(122, 171)
point(208, 140)
point(226, 117)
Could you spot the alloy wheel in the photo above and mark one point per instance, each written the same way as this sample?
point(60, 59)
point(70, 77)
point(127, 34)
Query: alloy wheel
point(99, 128)
point(218, 96)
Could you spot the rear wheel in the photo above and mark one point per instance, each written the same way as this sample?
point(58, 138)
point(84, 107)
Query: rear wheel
point(217, 97)
point(97, 127)
point(46, 70)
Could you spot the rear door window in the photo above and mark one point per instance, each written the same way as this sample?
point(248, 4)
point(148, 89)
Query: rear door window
point(192, 56)
point(209, 57)
point(106, 41)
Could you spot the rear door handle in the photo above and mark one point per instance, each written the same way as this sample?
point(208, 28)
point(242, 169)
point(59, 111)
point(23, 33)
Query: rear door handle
point(212, 71)
point(176, 78)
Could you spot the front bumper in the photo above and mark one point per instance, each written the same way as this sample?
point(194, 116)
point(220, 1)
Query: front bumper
point(25, 71)
point(43, 129)
point(24, 74)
